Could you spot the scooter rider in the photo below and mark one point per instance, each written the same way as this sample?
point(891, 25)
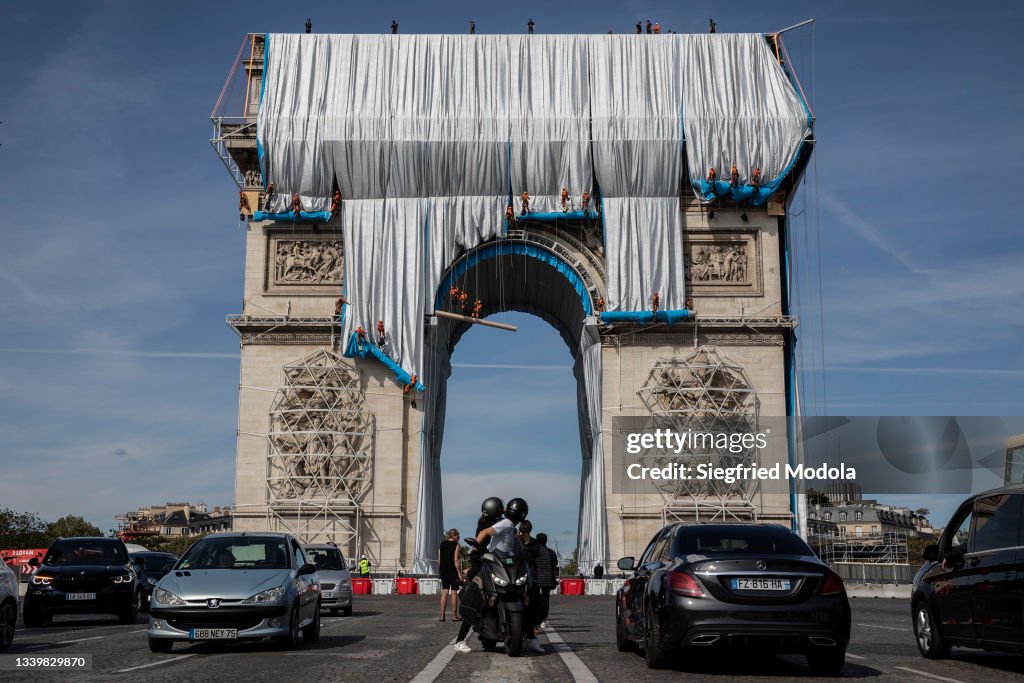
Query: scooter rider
point(516, 512)
point(491, 512)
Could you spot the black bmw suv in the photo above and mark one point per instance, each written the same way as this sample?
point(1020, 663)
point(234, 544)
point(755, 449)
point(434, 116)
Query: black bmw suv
point(83, 576)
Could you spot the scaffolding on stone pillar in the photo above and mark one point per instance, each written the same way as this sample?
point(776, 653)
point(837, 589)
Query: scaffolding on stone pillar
point(319, 451)
point(702, 393)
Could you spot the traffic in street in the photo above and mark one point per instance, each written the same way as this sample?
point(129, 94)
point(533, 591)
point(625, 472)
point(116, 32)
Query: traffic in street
point(398, 638)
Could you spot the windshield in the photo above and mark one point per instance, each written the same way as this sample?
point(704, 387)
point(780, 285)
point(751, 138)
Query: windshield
point(250, 552)
point(329, 559)
point(86, 551)
point(751, 540)
point(156, 563)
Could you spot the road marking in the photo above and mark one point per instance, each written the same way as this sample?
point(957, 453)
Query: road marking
point(437, 665)
point(850, 654)
point(79, 640)
point(157, 663)
point(887, 628)
point(580, 672)
point(141, 630)
point(928, 675)
point(325, 624)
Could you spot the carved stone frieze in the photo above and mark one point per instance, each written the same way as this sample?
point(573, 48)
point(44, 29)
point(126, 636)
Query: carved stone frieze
point(305, 264)
point(723, 263)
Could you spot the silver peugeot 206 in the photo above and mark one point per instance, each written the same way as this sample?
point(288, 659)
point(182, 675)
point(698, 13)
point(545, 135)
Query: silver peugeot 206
point(237, 586)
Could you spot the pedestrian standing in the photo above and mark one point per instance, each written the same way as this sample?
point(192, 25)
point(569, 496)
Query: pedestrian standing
point(451, 573)
point(545, 572)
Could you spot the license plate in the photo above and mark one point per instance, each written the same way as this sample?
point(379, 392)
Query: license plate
point(81, 596)
point(212, 633)
point(760, 584)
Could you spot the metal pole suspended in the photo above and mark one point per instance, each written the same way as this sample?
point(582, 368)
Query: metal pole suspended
point(476, 321)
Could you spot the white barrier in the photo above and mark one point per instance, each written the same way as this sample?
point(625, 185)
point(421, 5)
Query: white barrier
point(383, 586)
point(614, 585)
point(429, 586)
point(595, 587)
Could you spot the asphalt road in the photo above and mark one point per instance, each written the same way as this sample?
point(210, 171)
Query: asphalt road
point(398, 638)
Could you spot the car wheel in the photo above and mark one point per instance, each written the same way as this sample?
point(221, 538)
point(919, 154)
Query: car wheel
point(346, 611)
point(827, 663)
point(160, 645)
point(8, 621)
point(129, 615)
point(311, 633)
point(653, 652)
point(928, 635)
point(290, 641)
point(622, 641)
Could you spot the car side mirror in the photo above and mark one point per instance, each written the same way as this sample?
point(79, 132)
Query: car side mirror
point(34, 562)
point(307, 569)
point(930, 553)
point(626, 564)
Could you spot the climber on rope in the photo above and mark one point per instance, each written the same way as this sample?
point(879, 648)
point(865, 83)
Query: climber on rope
point(463, 300)
point(526, 203)
point(565, 200)
point(585, 202)
point(453, 295)
point(734, 177)
point(688, 304)
point(655, 302)
point(268, 196)
point(712, 176)
point(339, 306)
point(755, 178)
point(381, 336)
point(411, 386)
point(296, 205)
point(335, 203)
point(510, 215)
point(478, 306)
point(600, 304)
point(360, 337)
point(243, 206)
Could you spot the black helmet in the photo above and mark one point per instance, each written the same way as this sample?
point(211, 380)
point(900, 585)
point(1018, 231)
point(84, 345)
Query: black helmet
point(516, 510)
point(492, 507)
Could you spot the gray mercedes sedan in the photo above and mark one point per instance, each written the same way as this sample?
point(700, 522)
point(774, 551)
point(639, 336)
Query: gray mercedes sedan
point(235, 586)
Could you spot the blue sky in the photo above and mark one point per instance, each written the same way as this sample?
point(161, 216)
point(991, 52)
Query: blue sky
point(122, 252)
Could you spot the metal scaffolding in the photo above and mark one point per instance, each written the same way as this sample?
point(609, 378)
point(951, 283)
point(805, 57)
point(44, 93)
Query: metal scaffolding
point(319, 450)
point(704, 393)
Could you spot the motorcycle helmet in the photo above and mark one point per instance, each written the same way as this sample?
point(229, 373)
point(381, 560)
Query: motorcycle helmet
point(492, 507)
point(516, 510)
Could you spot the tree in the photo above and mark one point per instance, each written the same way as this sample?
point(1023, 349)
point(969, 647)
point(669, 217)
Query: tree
point(71, 525)
point(572, 567)
point(818, 498)
point(19, 530)
point(924, 512)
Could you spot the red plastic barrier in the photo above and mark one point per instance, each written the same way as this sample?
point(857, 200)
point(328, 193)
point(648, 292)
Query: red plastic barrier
point(407, 586)
point(361, 586)
point(572, 586)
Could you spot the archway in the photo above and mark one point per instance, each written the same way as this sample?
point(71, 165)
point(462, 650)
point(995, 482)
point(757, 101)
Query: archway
point(548, 276)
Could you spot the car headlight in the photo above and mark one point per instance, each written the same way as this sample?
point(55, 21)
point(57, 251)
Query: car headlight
point(123, 578)
point(166, 597)
point(498, 580)
point(42, 580)
point(272, 595)
point(345, 583)
point(521, 580)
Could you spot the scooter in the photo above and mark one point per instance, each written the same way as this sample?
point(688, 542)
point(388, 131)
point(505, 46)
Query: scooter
point(505, 584)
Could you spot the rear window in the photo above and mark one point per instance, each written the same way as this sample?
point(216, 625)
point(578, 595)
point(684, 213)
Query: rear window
point(752, 540)
point(86, 551)
point(328, 559)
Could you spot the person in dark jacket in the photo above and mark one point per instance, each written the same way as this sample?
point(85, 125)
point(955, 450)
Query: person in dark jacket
point(545, 578)
point(598, 571)
point(451, 573)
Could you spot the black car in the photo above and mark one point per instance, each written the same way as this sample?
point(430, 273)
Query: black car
point(83, 576)
point(702, 587)
point(969, 591)
point(150, 567)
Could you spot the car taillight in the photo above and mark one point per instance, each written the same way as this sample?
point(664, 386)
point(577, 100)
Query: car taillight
point(832, 585)
point(685, 585)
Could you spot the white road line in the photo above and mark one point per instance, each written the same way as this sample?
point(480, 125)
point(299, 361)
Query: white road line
point(887, 628)
point(928, 675)
point(437, 665)
point(853, 656)
point(157, 663)
point(79, 640)
point(325, 624)
point(580, 672)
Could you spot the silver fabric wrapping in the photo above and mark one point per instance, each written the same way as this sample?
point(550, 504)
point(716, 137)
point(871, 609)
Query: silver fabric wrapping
point(592, 531)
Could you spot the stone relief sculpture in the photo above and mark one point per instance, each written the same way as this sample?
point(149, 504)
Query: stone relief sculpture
point(315, 262)
point(717, 263)
point(320, 441)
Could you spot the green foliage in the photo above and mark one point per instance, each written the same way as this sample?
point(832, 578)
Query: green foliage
point(817, 498)
point(22, 530)
point(572, 567)
point(71, 525)
point(924, 512)
point(177, 545)
point(916, 546)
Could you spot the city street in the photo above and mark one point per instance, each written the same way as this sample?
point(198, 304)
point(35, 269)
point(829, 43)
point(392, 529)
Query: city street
point(398, 638)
